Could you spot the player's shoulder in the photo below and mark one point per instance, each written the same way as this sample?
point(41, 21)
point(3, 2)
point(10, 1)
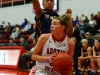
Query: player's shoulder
point(70, 42)
point(44, 37)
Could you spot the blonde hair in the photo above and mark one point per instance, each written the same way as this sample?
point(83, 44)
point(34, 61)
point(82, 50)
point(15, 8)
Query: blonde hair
point(65, 20)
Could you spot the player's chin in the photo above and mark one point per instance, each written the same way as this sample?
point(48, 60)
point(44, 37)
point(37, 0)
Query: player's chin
point(50, 8)
point(52, 33)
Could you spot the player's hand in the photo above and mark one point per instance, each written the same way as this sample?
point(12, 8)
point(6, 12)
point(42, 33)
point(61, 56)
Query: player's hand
point(52, 57)
point(69, 15)
point(80, 57)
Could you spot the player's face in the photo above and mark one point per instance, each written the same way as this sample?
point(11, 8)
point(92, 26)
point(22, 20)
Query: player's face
point(56, 27)
point(10, 41)
point(34, 42)
point(48, 4)
point(84, 44)
point(96, 43)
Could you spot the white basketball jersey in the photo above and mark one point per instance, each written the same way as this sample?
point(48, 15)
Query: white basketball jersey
point(51, 47)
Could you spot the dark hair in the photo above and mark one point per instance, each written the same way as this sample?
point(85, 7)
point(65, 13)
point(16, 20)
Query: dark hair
point(22, 36)
point(97, 40)
point(64, 20)
point(11, 39)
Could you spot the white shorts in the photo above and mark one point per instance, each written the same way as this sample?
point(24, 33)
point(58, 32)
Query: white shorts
point(40, 71)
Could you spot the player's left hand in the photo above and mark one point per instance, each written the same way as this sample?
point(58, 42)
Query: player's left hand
point(52, 57)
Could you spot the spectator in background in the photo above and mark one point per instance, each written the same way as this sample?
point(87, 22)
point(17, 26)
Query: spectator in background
point(92, 16)
point(84, 28)
point(14, 34)
point(77, 34)
point(24, 43)
point(31, 30)
point(26, 57)
point(3, 24)
point(76, 21)
point(7, 31)
point(81, 19)
point(27, 27)
point(32, 36)
point(1, 32)
point(24, 23)
point(97, 19)
point(92, 27)
point(89, 39)
point(86, 19)
point(44, 17)
point(98, 37)
point(11, 42)
point(77, 53)
point(17, 29)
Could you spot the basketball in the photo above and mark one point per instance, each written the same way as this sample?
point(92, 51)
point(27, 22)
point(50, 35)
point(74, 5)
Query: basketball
point(62, 62)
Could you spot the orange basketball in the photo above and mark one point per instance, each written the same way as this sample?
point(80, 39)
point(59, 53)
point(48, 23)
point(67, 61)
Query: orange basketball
point(62, 62)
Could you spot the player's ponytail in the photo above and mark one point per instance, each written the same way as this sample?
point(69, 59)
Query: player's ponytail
point(65, 20)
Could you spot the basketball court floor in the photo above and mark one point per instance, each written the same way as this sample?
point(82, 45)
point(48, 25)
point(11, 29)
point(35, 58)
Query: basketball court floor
point(12, 72)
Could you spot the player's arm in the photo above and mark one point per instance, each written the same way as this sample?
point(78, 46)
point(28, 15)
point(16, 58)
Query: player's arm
point(38, 10)
point(38, 49)
point(70, 25)
point(70, 28)
point(94, 53)
point(89, 50)
point(71, 46)
point(82, 54)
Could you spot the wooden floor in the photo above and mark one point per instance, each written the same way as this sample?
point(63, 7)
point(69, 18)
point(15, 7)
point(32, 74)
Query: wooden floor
point(12, 72)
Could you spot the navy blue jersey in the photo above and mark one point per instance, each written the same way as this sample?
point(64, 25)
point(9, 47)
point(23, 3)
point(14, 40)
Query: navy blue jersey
point(44, 22)
point(97, 51)
point(85, 53)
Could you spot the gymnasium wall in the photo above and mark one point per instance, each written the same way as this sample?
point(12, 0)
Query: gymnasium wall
point(16, 14)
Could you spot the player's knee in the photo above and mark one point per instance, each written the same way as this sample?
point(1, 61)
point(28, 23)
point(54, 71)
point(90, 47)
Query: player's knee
point(98, 60)
point(87, 62)
point(92, 60)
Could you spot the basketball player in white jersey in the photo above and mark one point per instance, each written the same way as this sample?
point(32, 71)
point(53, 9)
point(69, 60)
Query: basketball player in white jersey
point(49, 45)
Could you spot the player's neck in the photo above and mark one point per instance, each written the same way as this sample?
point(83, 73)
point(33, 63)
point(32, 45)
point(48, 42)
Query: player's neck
point(85, 47)
point(58, 38)
point(97, 47)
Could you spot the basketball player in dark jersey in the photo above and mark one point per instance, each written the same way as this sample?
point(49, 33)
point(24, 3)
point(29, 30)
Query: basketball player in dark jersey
point(44, 17)
point(95, 59)
point(85, 57)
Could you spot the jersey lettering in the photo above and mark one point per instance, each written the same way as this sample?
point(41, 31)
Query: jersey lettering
point(49, 69)
point(52, 51)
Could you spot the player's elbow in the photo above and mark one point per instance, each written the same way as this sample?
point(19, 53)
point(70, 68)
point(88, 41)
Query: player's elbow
point(32, 57)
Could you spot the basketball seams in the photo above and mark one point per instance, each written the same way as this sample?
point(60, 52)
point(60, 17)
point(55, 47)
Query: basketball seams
point(62, 62)
point(59, 59)
point(62, 66)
